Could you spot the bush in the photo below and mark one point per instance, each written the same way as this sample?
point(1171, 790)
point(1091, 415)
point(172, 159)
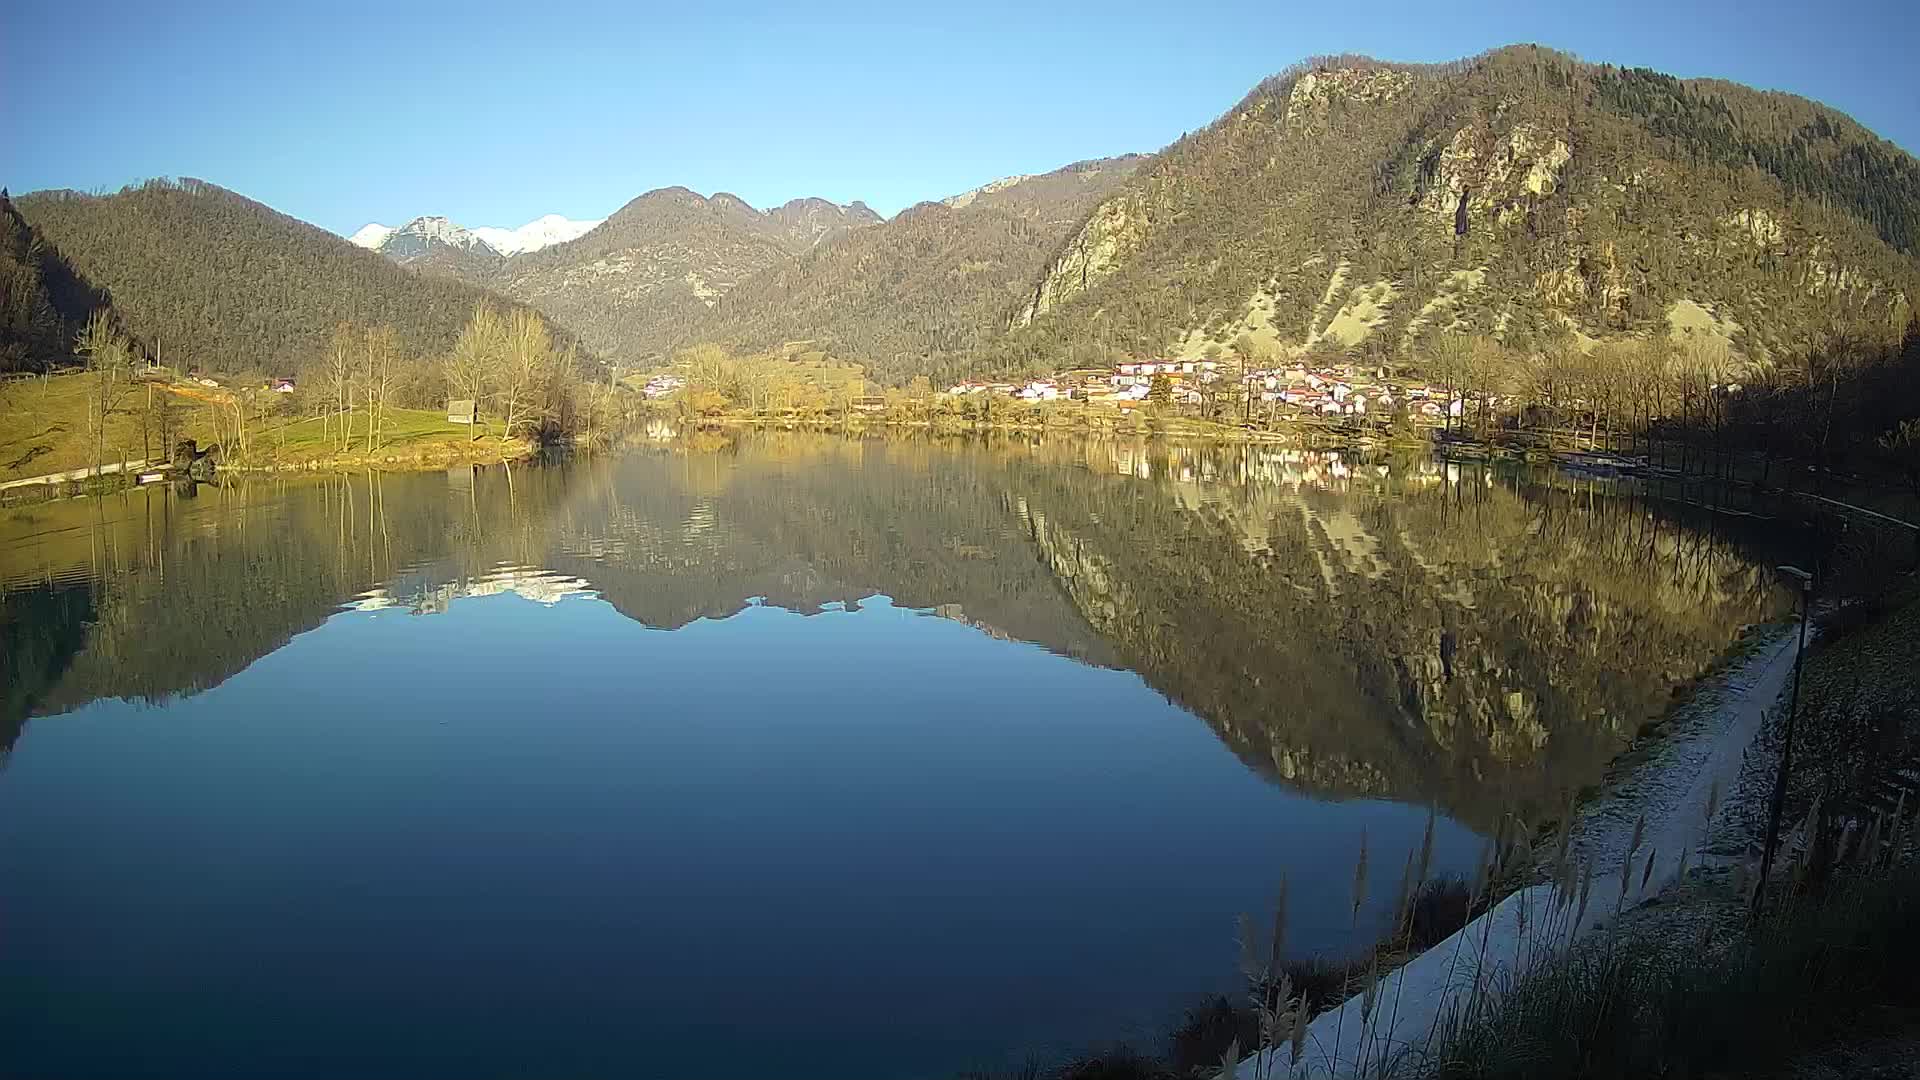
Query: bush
point(1439, 910)
point(1208, 1032)
point(1321, 981)
point(1118, 1064)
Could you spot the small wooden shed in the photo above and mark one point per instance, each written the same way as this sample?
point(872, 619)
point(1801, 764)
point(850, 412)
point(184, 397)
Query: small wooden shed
point(462, 411)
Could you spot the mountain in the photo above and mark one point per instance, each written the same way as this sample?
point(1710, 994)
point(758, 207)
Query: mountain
point(806, 222)
point(44, 301)
point(226, 283)
point(1348, 205)
point(1344, 206)
point(1059, 198)
point(541, 232)
point(371, 236)
point(434, 244)
point(422, 236)
point(920, 293)
point(652, 269)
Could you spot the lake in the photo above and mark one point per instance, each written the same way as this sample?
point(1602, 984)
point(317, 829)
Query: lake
point(783, 754)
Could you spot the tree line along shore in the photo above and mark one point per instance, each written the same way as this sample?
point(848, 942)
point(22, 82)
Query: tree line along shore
point(366, 401)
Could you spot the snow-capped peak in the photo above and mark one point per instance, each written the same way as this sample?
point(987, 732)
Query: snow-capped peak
point(415, 237)
point(544, 231)
point(371, 236)
point(434, 228)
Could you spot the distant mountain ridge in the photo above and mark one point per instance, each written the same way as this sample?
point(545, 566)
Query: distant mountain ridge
point(914, 295)
point(1346, 206)
point(416, 238)
point(659, 262)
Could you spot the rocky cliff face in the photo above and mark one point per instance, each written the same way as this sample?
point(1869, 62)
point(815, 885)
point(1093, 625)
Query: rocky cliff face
point(1491, 174)
point(1095, 251)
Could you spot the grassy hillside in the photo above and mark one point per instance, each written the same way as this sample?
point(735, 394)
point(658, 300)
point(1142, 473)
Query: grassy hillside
point(1365, 208)
point(216, 280)
point(43, 425)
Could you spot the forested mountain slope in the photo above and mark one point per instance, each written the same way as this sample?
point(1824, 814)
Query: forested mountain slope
point(43, 301)
point(223, 282)
point(1362, 207)
point(638, 280)
point(920, 293)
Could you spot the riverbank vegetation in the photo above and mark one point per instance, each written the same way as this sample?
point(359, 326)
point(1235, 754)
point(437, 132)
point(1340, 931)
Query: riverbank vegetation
point(1703, 988)
point(363, 401)
point(1834, 958)
point(1682, 404)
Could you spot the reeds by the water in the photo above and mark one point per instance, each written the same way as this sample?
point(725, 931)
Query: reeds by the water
point(1841, 937)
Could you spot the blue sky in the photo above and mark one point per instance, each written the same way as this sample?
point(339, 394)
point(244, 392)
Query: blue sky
point(346, 112)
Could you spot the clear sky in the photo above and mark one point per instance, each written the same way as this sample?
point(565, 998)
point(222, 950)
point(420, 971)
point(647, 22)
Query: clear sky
point(492, 114)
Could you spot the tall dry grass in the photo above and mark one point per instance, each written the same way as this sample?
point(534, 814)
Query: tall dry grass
point(1840, 942)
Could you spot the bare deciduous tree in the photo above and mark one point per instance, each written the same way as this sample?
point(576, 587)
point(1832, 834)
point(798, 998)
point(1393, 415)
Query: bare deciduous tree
point(476, 357)
point(109, 374)
point(527, 361)
point(337, 380)
point(382, 345)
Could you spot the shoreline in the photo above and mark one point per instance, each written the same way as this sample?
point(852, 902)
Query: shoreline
point(1697, 753)
point(1306, 435)
point(113, 477)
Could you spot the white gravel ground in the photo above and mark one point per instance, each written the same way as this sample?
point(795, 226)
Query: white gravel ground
point(1667, 784)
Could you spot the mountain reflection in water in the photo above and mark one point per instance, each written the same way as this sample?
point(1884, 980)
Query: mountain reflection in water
point(383, 762)
point(1433, 632)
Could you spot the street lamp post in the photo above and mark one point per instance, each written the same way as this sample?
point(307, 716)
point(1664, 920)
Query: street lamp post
point(1778, 803)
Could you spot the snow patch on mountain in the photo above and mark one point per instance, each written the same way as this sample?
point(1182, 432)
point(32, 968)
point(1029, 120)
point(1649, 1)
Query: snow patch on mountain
point(422, 231)
point(371, 236)
point(415, 236)
point(544, 231)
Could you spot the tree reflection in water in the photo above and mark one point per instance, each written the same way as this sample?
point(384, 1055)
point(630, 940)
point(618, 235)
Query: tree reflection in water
point(1481, 638)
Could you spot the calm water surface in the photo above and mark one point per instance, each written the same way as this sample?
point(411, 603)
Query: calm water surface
point(786, 756)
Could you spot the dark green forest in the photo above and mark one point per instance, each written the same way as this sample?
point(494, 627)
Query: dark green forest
point(1816, 152)
point(207, 278)
point(44, 302)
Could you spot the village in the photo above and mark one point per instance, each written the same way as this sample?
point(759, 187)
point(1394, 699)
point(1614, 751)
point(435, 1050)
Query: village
point(1286, 392)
